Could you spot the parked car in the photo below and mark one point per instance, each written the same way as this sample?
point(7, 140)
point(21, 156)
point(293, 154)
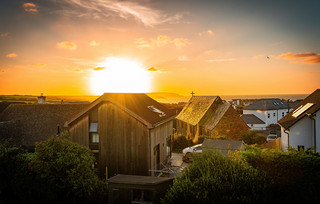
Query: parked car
point(194, 149)
point(271, 137)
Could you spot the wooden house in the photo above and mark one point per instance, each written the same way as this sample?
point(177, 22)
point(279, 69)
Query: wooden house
point(210, 116)
point(127, 132)
point(28, 124)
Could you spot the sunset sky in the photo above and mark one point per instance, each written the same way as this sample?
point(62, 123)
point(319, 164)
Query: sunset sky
point(227, 47)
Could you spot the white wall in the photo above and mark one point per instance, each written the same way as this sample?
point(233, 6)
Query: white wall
point(284, 140)
point(275, 115)
point(257, 126)
point(318, 131)
point(301, 133)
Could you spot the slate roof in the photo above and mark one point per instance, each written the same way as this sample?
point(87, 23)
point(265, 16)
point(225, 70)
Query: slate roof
point(251, 119)
point(36, 122)
point(196, 108)
point(268, 104)
point(138, 105)
point(137, 180)
point(223, 146)
point(288, 120)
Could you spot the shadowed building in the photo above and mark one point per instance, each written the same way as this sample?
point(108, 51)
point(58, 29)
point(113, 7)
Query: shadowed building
point(209, 115)
point(127, 132)
point(28, 124)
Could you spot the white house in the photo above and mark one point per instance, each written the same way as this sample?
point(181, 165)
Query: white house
point(301, 127)
point(253, 122)
point(268, 110)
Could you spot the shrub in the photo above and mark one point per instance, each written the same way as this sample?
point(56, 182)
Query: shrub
point(214, 178)
point(294, 176)
point(253, 137)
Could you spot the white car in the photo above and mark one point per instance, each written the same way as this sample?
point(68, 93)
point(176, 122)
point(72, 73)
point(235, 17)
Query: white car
point(194, 149)
point(271, 137)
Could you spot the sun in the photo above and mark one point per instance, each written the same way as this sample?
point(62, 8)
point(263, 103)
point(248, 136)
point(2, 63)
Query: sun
point(118, 75)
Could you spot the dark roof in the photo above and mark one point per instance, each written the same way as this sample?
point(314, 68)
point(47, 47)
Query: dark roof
point(222, 144)
point(39, 121)
point(138, 105)
point(288, 120)
point(138, 180)
point(268, 104)
point(196, 108)
point(251, 119)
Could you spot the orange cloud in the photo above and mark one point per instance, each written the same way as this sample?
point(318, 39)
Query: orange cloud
point(39, 65)
point(67, 45)
point(4, 35)
point(12, 55)
point(180, 42)
point(259, 56)
point(98, 68)
point(302, 58)
point(152, 69)
point(161, 41)
point(207, 32)
point(94, 43)
point(30, 8)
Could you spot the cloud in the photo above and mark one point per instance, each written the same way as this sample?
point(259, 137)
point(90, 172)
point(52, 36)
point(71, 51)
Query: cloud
point(182, 58)
point(222, 60)
point(180, 42)
point(12, 55)
point(259, 56)
point(99, 68)
point(152, 69)
point(67, 45)
point(4, 35)
point(39, 66)
point(161, 41)
point(207, 32)
point(30, 8)
point(301, 58)
point(94, 43)
point(104, 9)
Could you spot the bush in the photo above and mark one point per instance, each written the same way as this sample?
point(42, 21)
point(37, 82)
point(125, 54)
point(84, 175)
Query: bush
point(67, 168)
point(253, 137)
point(58, 171)
point(214, 178)
point(294, 176)
point(180, 143)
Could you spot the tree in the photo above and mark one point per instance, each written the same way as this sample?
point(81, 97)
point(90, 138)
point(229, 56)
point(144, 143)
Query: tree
point(253, 137)
point(67, 168)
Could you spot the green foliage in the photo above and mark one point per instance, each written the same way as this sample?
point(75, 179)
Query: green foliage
point(214, 178)
point(180, 143)
point(67, 167)
point(58, 171)
point(253, 137)
point(293, 175)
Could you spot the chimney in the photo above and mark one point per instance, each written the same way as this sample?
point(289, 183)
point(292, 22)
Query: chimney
point(41, 99)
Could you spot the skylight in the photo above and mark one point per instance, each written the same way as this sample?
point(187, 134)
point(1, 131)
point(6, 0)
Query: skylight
point(302, 109)
point(156, 110)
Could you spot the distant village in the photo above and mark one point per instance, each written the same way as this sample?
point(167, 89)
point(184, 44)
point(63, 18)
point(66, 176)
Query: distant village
point(132, 136)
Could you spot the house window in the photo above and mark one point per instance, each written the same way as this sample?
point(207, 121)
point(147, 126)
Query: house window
point(268, 115)
point(94, 137)
point(274, 114)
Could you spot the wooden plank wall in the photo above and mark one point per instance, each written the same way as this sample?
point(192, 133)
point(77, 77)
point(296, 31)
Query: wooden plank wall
point(79, 131)
point(124, 142)
point(159, 136)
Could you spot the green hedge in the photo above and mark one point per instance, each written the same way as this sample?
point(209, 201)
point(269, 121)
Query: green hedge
point(214, 178)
